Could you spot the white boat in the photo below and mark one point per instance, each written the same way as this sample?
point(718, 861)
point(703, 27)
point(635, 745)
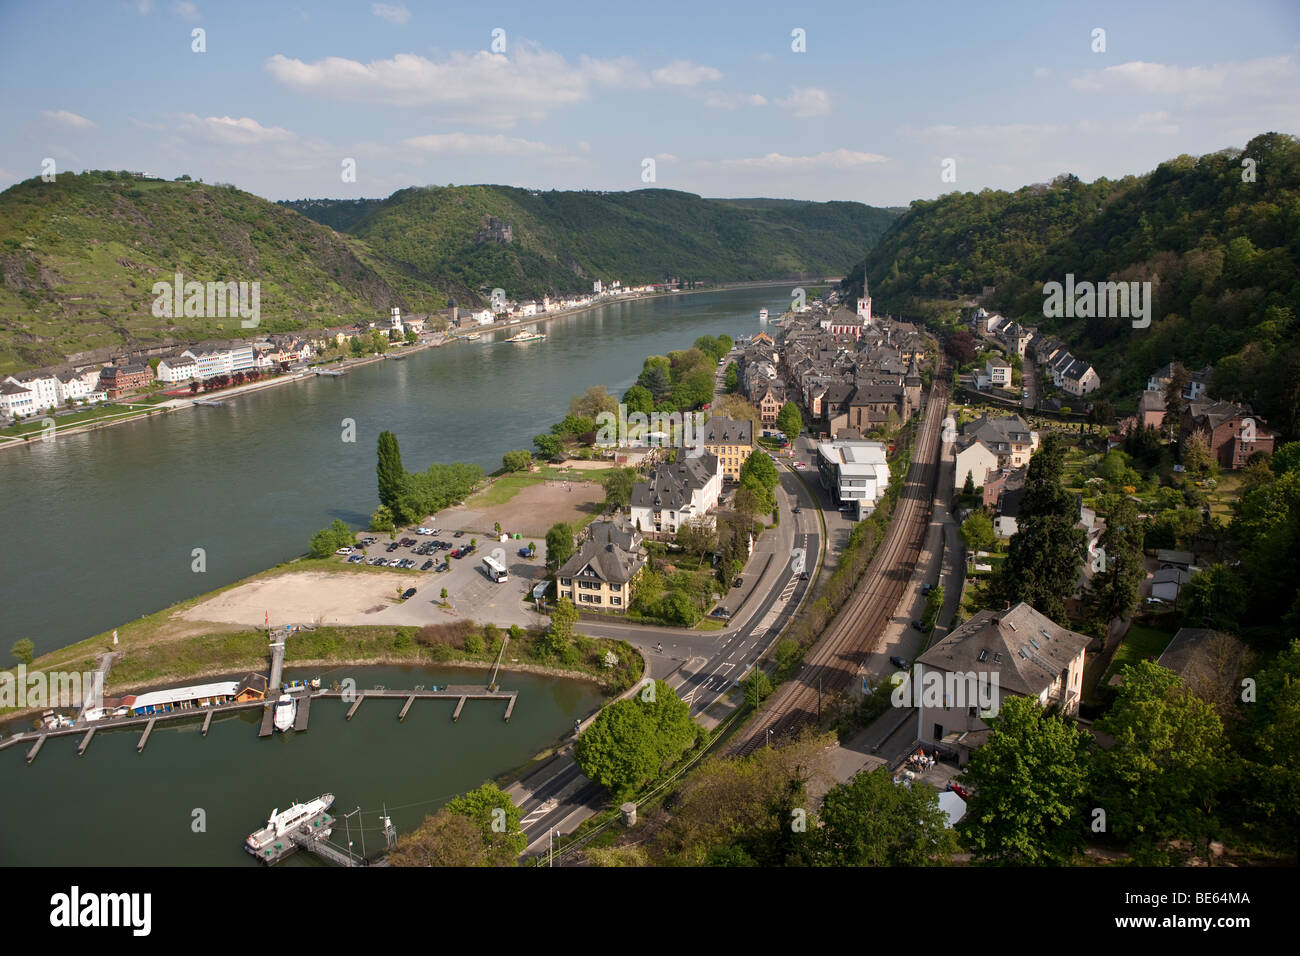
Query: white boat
point(473, 337)
point(286, 708)
point(762, 315)
point(279, 824)
point(528, 335)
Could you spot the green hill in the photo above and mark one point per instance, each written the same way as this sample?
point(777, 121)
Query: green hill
point(560, 241)
point(1221, 254)
point(79, 256)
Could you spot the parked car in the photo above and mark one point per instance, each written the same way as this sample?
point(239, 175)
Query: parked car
point(408, 594)
point(899, 662)
point(919, 626)
point(459, 534)
point(739, 582)
point(427, 565)
point(422, 531)
point(794, 510)
point(524, 553)
point(343, 551)
point(1155, 600)
point(720, 612)
point(926, 588)
point(377, 561)
point(392, 547)
point(356, 559)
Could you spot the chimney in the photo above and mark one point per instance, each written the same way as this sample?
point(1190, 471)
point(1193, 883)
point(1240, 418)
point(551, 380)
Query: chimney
point(1006, 605)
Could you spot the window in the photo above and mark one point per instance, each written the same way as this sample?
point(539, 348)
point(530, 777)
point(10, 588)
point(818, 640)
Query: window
point(938, 731)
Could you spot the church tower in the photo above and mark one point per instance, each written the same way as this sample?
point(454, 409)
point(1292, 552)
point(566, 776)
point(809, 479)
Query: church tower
point(864, 304)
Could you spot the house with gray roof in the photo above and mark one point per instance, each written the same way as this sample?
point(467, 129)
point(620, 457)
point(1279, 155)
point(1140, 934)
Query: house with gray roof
point(601, 575)
point(995, 654)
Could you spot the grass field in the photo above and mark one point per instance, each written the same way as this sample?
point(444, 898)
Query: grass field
point(1141, 643)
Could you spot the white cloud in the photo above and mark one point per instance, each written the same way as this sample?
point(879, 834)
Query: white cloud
point(227, 131)
point(67, 119)
point(665, 158)
point(186, 9)
point(684, 73)
point(489, 89)
point(834, 159)
point(392, 12)
point(584, 146)
point(477, 144)
point(1233, 80)
point(806, 101)
point(734, 101)
point(1041, 71)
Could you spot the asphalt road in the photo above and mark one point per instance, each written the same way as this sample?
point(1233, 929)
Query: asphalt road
point(701, 666)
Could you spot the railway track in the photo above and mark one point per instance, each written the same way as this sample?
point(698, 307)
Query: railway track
point(832, 662)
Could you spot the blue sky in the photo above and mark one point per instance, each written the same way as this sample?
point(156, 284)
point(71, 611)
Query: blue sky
point(584, 93)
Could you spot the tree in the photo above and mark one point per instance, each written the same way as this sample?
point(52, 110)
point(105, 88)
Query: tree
point(638, 399)
point(1047, 550)
point(329, 540)
point(497, 818)
point(1162, 778)
point(444, 839)
point(559, 545)
point(618, 487)
point(382, 519)
point(1029, 781)
point(1174, 403)
point(23, 650)
point(559, 633)
point(1118, 571)
point(789, 420)
point(977, 531)
point(968, 486)
point(1196, 452)
point(870, 821)
point(548, 446)
point(357, 346)
point(731, 379)
point(757, 688)
point(634, 738)
point(696, 537)
point(1215, 597)
point(960, 346)
point(656, 380)
point(592, 402)
point(572, 426)
point(411, 337)
point(520, 460)
point(378, 342)
point(392, 476)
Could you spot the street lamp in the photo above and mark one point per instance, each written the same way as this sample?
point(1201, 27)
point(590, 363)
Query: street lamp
point(552, 833)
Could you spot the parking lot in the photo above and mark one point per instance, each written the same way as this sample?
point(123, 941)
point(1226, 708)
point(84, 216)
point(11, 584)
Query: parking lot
point(471, 593)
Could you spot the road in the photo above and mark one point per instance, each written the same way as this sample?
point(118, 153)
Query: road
point(702, 667)
point(835, 661)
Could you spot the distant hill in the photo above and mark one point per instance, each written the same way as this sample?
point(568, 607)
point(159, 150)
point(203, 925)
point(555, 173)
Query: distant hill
point(79, 256)
point(561, 241)
point(1222, 254)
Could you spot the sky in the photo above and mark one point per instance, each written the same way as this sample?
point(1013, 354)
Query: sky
point(880, 103)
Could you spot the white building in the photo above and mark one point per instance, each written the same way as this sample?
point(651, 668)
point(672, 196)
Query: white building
point(178, 368)
point(676, 493)
point(44, 386)
point(16, 401)
point(855, 472)
point(999, 372)
point(1080, 378)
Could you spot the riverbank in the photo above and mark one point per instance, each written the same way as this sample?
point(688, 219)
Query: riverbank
point(178, 404)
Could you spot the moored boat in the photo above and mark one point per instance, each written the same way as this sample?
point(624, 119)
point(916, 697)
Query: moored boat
point(286, 708)
point(279, 824)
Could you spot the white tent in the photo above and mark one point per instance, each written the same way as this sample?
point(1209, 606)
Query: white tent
point(952, 805)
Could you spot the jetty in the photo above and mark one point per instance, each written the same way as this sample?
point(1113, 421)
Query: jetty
point(457, 692)
point(331, 372)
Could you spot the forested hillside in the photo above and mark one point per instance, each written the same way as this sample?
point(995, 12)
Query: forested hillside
point(1218, 236)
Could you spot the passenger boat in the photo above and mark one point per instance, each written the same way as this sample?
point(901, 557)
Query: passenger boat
point(762, 315)
point(278, 825)
point(472, 337)
point(286, 708)
point(528, 335)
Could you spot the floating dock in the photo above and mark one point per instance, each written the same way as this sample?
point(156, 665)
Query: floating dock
point(144, 737)
point(85, 741)
point(207, 722)
point(332, 372)
point(36, 748)
point(458, 693)
point(300, 716)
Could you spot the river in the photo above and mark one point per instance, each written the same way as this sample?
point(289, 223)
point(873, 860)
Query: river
point(101, 528)
point(114, 807)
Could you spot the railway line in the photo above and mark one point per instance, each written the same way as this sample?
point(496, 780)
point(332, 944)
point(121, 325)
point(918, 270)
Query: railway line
point(832, 663)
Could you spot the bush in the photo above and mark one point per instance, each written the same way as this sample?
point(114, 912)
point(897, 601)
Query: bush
point(473, 643)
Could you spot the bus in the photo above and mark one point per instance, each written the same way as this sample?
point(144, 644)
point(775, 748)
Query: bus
point(494, 569)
